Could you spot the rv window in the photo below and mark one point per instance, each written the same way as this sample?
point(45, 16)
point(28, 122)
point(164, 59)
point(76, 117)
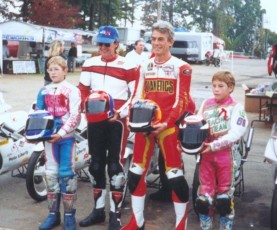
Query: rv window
point(180, 44)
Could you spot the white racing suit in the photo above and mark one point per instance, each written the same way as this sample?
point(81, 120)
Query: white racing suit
point(62, 100)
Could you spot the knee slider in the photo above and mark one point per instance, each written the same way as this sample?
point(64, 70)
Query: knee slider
point(202, 205)
point(133, 181)
point(134, 176)
point(94, 170)
point(114, 168)
point(97, 175)
point(178, 184)
point(68, 184)
point(223, 204)
point(118, 181)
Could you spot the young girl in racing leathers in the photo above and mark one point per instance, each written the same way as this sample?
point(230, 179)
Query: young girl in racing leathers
point(228, 123)
point(62, 100)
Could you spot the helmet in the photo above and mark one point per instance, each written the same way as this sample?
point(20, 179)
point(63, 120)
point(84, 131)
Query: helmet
point(193, 132)
point(143, 115)
point(99, 106)
point(39, 126)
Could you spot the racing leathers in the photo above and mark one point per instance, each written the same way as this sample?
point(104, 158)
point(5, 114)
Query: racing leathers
point(228, 122)
point(62, 100)
point(107, 140)
point(168, 84)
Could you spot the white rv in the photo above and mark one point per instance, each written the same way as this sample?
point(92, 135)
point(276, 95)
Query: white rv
point(128, 36)
point(189, 46)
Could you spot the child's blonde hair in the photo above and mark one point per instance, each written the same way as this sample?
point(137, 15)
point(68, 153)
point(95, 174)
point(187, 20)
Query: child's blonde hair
point(57, 60)
point(225, 76)
point(55, 48)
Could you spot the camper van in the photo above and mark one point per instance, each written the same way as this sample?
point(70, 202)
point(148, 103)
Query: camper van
point(186, 50)
point(189, 46)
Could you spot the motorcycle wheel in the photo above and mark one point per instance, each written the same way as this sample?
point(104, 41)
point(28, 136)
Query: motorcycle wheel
point(217, 62)
point(35, 183)
point(207, 62)
point(195, 185)
point(273, 219)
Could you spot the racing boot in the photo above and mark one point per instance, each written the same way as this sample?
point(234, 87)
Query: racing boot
point(226, 223)
point(114, 221)
point(115, 204)
point(98, 214)
point(69, 201)
point(54, 218)
point(206, 222)
point(181, 211)
point(137, 220)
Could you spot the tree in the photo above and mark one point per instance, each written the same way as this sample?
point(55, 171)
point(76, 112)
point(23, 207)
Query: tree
point(172, 11)
point(54, 13)
point(5, 12)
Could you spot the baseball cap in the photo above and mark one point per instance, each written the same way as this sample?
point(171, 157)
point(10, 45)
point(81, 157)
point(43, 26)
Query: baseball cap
point(107, 34)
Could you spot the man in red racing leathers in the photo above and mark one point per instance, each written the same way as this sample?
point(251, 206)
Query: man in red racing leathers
point(165, 80)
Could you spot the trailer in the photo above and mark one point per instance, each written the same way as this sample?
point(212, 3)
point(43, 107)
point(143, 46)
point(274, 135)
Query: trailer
point(128, 36)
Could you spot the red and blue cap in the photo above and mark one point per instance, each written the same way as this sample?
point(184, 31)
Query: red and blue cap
point(107, 34)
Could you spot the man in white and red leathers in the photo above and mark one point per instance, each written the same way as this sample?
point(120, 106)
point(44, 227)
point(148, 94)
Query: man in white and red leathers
point(166, 80)
point(111, 73)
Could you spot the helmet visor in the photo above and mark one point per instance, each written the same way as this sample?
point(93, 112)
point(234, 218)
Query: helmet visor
point(192, 136)
point(38, 123)
point(141, 115)
point(95, 106)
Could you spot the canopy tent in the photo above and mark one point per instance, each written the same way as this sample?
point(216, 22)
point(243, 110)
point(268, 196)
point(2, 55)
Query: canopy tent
point(30, 42)
point(22, 31)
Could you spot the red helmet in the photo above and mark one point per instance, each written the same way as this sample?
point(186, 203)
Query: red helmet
point(143, 115)
point(99, 106)
point(193, 133)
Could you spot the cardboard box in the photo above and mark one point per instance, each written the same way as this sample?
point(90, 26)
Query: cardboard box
point(252, 105)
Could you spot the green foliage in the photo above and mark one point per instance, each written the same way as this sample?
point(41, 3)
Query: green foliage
point(237, 22)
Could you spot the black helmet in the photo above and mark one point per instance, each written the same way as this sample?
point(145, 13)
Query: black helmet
point(143, 115)
point(193, 132)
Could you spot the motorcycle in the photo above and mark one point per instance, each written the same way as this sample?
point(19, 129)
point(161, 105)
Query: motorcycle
point(211, 59)
point(15, 151)
point(271, 158)
point(35, 176)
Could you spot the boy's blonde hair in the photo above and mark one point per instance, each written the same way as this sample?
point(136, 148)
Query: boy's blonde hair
point(57, 60)
point(225, 76)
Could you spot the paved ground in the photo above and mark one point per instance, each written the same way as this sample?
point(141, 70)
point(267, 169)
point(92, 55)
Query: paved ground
point(19, 212)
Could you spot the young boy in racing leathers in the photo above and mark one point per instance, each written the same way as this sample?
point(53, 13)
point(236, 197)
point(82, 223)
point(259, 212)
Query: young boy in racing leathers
point(228, 123)
point(62, 100)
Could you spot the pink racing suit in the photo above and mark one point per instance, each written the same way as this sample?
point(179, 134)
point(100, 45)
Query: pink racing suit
point(228, 123)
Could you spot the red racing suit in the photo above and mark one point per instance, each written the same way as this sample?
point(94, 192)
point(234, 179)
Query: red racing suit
point(168, 84)
point(228, 123)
